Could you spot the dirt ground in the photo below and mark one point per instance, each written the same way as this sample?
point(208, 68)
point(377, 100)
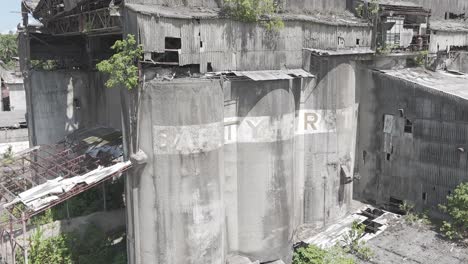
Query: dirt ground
point(415, 243)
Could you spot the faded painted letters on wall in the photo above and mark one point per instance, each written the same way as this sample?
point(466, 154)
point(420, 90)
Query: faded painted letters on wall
point(249, 129)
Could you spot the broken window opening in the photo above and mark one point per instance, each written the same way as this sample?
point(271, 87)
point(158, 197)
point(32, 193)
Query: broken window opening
point(168, 57)
point(201, 44)
point(450, 15)
point(388, 156)
point(424, 196)
point(173, 43)
point(209, 68)
point(408, 126)
point(358, 42)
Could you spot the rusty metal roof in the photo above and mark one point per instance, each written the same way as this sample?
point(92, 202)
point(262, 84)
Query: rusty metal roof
point(43, 176)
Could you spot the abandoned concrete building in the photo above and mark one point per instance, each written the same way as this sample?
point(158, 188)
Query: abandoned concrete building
point(237, 134)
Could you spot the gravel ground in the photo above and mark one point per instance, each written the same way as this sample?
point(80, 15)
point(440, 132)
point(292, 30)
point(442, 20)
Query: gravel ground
point(415, 243)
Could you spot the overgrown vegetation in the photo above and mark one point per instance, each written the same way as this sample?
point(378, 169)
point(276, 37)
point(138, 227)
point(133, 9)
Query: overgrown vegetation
point(7, 156)
point(46, 65)
point(372, 8)
point(255, 11)
point(93, 247)
point(421, 59)
point(314, 255)
point(411, 216)
point(122, 66)
point(457, 209)
point(353, 244)
point(8, 49)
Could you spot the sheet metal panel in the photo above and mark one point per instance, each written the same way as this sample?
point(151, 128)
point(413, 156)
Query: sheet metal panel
point(273, 75)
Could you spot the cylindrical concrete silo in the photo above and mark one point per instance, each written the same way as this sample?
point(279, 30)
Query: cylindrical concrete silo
point(329, 146)
point(176, 208)
point(264, 145)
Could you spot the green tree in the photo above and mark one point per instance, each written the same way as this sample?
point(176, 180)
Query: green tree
point(252, 11)
point(121, 67)
point(8, 49)
point(54, 250)
point(457, 209)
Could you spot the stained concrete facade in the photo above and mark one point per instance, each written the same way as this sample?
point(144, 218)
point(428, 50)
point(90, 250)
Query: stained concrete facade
point(251, 160)
point(65, 100)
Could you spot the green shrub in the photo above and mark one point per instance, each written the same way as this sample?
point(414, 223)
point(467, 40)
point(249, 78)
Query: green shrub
point(412, 217)
point(121, 67)
point(54, 250)
point(314, 255)
point(457, 209)
point(253, 11)
point(352, 243)
point(8, 155)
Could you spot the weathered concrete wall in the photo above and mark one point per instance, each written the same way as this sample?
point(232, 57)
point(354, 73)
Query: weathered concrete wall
point(177, 202)
point(16, 138)
point(64, 101)
point(328, 153)
point(17, 97)
point(419, 163)
point(259, 168)
point(459, 62)
point(253, 166)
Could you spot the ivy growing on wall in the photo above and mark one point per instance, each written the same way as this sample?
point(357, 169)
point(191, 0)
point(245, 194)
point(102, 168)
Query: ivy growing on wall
point(122, 66)
point(255, 11)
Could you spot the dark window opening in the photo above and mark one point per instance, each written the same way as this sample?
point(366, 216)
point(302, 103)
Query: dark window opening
point(454, 16)
point(168, 57)
point(76, 103)
point(433, 188)
point(358, 41)
point(424, 196)
point(364, 155)
point(173, 43)
point(201, 44)
point(388, 156)
point(449, 192)
point(209, 68)
point(408, 126)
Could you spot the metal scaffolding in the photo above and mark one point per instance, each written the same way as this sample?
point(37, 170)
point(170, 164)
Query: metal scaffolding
point(44, 176)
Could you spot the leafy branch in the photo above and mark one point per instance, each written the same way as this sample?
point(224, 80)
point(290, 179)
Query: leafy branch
point(122, 66)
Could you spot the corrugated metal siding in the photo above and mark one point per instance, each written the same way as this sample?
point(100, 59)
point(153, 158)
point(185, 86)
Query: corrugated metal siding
point(443, 40)
point(233, 45)
point(426, 161)
point(175, 3)
point(439, 7)
point(313, 5)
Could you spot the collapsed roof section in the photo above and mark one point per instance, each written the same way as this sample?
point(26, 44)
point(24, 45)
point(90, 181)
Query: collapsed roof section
point(44, 176)
point(74, 17)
